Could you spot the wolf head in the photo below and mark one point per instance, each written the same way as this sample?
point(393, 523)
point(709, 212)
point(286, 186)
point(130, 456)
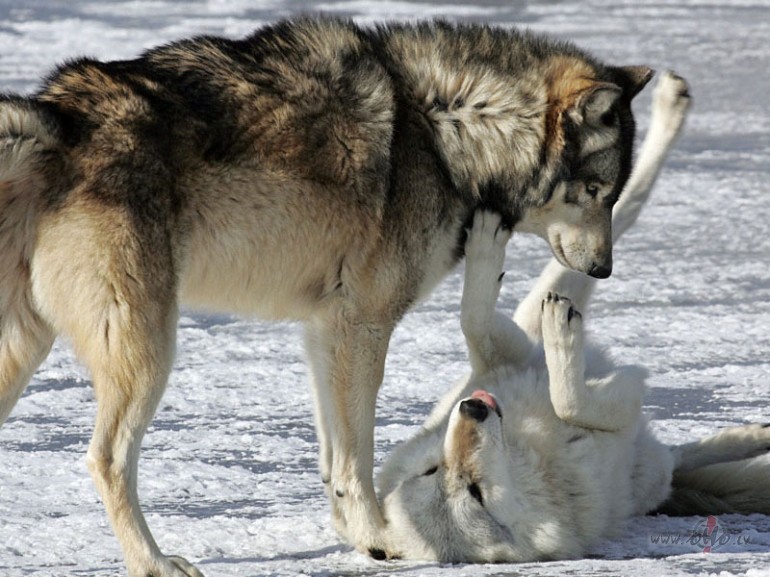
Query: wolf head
point(589, 141)
point(531, 128)
point(460, 494)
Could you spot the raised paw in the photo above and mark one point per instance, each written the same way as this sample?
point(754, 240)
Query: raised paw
point(562, 322)
point(672, 96)
point(487, 239)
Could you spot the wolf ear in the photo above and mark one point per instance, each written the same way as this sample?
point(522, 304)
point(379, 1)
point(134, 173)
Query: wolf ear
point(633, 78)
point(595, 102)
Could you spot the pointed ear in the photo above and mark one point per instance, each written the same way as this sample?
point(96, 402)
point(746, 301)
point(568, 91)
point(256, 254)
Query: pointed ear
point(594, 102)
point(633, 79)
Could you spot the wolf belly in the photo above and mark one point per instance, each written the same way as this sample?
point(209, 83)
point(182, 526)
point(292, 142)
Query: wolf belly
point(262, 244)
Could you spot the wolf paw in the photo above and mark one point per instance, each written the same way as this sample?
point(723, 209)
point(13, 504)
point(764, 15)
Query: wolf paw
point(672, 96)
point(562, 322)
point(487, 239)
point(171, 566)
point(185, 566)
point(747, 441)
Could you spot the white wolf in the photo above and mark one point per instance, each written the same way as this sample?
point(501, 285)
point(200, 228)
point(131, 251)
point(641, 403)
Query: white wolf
point(544, 449)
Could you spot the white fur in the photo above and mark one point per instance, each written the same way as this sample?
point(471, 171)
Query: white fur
point(572, 456)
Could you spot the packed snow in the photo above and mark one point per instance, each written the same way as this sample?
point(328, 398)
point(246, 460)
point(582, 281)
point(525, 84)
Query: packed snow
point(228, 473)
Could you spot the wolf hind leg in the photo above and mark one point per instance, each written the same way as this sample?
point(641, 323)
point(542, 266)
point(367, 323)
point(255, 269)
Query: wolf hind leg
point(610, 403)
point(728, 472)
point(730, 444)
point(25, 341)
point(671, 100)
point(129, 380)
point(130, 365)
point(107, 281)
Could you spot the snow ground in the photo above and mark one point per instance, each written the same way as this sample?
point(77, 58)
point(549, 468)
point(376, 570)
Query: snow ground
point(228, 475)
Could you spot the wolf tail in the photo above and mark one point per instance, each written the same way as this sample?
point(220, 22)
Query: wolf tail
point(29, 137)
point(671, 101)
point(726, 473)
point(31, 165)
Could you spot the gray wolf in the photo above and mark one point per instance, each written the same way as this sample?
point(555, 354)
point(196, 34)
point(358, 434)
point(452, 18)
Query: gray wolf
point(544, 449)
point(315, 171)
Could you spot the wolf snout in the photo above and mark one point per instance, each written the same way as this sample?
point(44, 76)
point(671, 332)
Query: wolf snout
point(602, 267)
point(600, 271)
point(477, 407)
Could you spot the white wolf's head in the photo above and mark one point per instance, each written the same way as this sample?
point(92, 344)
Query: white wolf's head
point(460, 498)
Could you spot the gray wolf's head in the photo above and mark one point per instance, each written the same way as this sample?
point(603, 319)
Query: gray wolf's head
point(535, 130)
point(590, 132)
point(461, 495)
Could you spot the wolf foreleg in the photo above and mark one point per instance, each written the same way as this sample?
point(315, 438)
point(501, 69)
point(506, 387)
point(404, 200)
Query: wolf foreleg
point(348, 359)
point(492, 338)
point(609, 404)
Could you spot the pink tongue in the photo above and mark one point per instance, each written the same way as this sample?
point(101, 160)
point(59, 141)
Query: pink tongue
point(486, 398)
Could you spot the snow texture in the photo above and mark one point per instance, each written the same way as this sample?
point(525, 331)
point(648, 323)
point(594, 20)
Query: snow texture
point(228, 471)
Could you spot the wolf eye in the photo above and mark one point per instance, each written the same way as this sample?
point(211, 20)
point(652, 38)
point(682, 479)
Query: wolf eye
point(430, 471)
point(592, 189)
point(475, 492)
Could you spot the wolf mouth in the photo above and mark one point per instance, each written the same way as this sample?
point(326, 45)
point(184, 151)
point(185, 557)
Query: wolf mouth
point(558, 252)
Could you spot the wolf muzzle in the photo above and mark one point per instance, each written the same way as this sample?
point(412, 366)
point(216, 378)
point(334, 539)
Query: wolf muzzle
point(601, 269)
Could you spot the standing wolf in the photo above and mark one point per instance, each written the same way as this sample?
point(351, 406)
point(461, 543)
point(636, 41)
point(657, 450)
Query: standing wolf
point(315, 171)
point(544, 450)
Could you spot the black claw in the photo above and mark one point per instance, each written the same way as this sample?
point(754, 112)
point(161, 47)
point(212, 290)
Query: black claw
point(377, 554)
point(572, 312)
point(766, 425)
point(340, 493)
point(500, 278)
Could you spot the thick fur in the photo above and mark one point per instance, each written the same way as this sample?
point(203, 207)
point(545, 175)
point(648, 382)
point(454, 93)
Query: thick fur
point(315, 171)
point(544, 449)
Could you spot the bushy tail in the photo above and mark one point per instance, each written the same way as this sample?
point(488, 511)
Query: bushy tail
point(28, 137)
point(31, 167)
point(671, 100)
point(726, 473)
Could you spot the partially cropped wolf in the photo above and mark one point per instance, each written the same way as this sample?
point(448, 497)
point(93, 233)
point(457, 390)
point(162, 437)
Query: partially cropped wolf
point(315, 170)
point(544, 449)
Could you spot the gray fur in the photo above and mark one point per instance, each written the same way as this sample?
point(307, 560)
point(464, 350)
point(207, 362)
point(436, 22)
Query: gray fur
point(315, 171)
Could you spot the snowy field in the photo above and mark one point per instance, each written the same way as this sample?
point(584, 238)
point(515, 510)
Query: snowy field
point(228, 474)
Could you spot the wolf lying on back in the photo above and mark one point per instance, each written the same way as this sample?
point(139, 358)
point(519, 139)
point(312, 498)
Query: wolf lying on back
point(544, 450)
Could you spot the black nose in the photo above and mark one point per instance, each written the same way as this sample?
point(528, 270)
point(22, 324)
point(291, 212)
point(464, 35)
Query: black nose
point(599, 271)
point(475, 409)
